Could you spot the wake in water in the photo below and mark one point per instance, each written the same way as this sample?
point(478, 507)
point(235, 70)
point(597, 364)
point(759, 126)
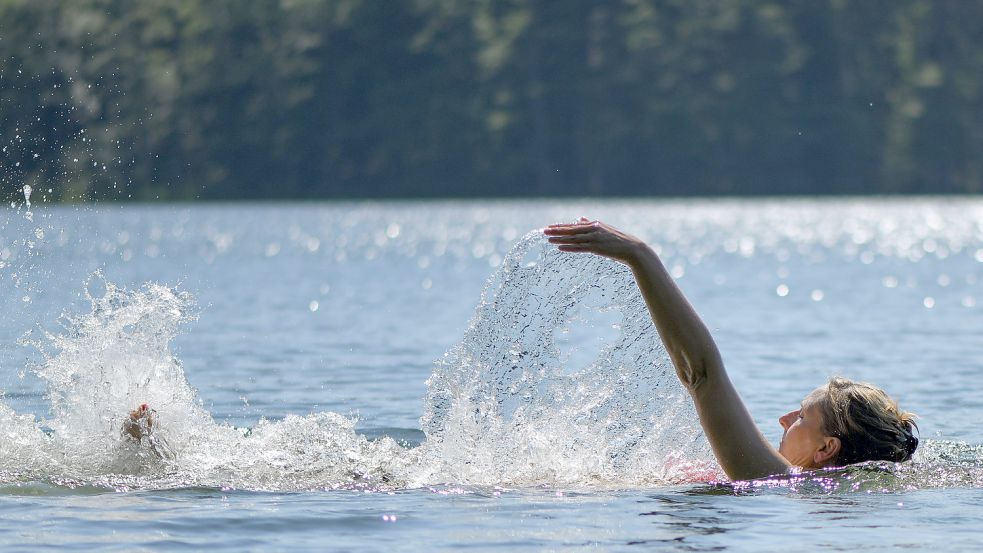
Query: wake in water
point(522, 400)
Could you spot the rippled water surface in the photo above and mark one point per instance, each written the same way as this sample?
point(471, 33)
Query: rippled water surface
point(409, 376)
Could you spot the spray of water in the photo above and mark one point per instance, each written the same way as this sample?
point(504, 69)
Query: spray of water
point(528, 397)
point(508, 405)
point(27, 196)
point(117, 356)
point(505, 405)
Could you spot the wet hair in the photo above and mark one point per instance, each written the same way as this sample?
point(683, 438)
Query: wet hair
point(869, 424)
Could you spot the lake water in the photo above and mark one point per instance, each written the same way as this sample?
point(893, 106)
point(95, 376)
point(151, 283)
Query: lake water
point(287, 350)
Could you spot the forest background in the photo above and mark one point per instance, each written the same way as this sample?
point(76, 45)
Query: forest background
point(292, 99)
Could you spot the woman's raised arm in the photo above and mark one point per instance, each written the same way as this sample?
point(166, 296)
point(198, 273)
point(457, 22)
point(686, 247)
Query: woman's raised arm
point(739, 446)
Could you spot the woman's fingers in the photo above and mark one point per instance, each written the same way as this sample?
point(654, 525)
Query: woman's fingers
point(576, 237)
point(560, 226)
point(554, 230)
point(593, 237)
point(572, 239)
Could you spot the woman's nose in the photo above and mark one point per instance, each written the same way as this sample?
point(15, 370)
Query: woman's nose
point(786, 419)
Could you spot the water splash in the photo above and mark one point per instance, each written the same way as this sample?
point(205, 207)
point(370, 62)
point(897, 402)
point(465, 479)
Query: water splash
point(505, 405)
point(523, 399)
point(501, 408)
point(27, 202)
point(118, 356)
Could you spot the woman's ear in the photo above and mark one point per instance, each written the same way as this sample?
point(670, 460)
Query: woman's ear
point(826, 455)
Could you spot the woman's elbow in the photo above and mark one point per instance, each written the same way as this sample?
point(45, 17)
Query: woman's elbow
point(694, 371)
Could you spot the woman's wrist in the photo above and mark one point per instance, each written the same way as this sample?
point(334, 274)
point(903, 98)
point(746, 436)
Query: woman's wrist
point(639, 254)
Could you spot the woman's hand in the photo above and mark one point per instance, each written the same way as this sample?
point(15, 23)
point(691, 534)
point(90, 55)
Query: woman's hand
point(595, 237)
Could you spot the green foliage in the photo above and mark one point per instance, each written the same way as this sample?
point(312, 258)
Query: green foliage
point(117, 99)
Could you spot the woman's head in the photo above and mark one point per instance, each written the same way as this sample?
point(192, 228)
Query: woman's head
point(847, 422)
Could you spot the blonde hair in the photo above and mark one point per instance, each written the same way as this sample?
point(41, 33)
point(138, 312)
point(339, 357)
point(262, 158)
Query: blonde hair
point(869, 424)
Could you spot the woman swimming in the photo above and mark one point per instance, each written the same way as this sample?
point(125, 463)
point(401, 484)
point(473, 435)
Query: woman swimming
point(840, 423)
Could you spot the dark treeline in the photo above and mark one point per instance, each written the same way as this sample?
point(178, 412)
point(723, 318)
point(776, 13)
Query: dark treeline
point(376, 98)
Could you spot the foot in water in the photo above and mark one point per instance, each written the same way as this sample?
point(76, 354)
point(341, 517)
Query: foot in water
point(140, 427)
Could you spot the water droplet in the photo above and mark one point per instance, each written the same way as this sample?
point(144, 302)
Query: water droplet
point(313, 306)
point(929, 302)
point(782, 290)
point(817, 295)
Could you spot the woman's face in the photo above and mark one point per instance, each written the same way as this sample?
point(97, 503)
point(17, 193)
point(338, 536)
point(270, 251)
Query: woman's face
point(803, 438)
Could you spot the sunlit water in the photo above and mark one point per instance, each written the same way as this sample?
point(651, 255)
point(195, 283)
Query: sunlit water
point(418, 375)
